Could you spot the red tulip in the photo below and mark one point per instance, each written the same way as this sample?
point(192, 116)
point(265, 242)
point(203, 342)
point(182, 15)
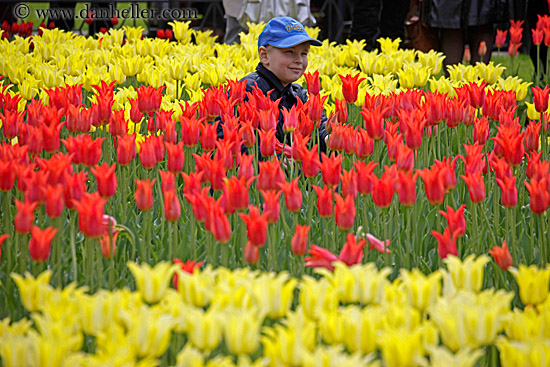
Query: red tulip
point(374, 121)
point(236, 191)
point(11, 121)
point(481, 130)
point(107, 243)
point(176, 157)
point(167, 181)
point(433, 185)
point(406, 190)
point(364, 176)
point(324, 200)
point(476, 186)
point(412, 124)
point(293, 195)
point(172, 206)
point(531, 137)
point(364, 145)
point(500, 38)
point(2, 239)
point(455, 220)
point(251, 253)
point(315, 103)
point(330, 169)
point(378, 245)
point(502, 256)
point(290, 118)
point(218, 223)
point(516, 31)
point(299, 242)
point(34, 184)
point(270, 176)
point(54, 200)
point(149, 98)
point(446, 243)
point(90, 214)
point(24, 218)
point(538, 36)
point(75, 187)
point(509, 191)
point(147, 154)
point(126, 149)
point(539, 196)
point(344, 212)
point(144, 194)
point(267, 142)
point(190, 130)
point(106, 179)
point(136, 115)
point(540, 98)
point(382, 190)
point(313, 83)
point(7, 175)
point(405, 158)
point(40, 243)
point(320, 258)
point(352, 252)
point(513, 48)
point(271, 205)
point(482, 49)
point(117, 124)
point(340, 112)
point(350, 87)
point(256, 225)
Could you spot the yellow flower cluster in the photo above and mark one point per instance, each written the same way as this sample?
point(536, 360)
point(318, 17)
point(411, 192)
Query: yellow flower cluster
point(221, 317)
point(195, 61)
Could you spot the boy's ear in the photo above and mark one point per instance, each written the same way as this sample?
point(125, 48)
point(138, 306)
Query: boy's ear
point(262, 53)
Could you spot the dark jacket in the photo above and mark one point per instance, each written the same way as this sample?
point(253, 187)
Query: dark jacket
point(266, 81)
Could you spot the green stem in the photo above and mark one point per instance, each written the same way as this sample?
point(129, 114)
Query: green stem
point(270, 248)
point(72, 220)
point(57, 250)
point(542, 247)
point(225, 255)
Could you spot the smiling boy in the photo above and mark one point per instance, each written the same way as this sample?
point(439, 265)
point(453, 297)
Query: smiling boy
point(283, 48)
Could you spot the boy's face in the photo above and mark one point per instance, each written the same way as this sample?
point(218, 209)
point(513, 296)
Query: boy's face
point(288, 64)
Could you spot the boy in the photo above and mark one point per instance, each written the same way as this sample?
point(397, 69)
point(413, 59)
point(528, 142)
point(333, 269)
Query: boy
point(283, 47)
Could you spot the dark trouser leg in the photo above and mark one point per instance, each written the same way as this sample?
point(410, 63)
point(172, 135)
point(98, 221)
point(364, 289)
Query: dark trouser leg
point(392, 20)
point(365, 21)
point(452, 45)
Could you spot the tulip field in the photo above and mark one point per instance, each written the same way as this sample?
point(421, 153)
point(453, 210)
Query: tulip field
point(151, 217)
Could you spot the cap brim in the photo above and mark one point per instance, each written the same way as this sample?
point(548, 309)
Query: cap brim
point(296, 40)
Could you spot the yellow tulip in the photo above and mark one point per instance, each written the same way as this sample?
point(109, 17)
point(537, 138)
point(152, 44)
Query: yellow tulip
point(242, 331)
point(33, 291)
point(317, 296)
point(117, 73)
point(431, 59)
point(400, 348)
point(388, 45)
point(524, 325)
point(441, 356)
point(148, 331)
point(133, 34)
point(152, 283)
point(421, 290)
point(197, 289)
point(467, 274)
point(518, 354)
point(469, 319)
point(206, 329)
point(274, 294)
point(360, 329)
point(9, 329)
point(331, 327)
point(532, 282)
point(371, 282)
point(190, 357)
point(182, 32)
point(515, 84)
point(335, 356)
point(96, 312)
point(19, 351)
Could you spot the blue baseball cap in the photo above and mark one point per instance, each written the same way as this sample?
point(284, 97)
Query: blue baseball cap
point(285, 32)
